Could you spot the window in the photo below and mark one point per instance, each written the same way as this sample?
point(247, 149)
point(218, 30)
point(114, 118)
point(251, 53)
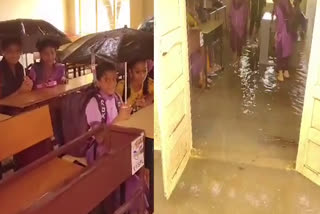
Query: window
point(101, 15)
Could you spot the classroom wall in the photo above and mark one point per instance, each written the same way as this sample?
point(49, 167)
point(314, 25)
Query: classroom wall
point(50, 10)
point(140, 10)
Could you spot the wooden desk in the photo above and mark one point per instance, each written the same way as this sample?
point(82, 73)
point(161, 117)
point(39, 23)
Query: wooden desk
point(29, 99)
point(212, 31)
point(92, 185)
point(142, 119)
point(4, 117)
point(210, 26)
point(20, 193)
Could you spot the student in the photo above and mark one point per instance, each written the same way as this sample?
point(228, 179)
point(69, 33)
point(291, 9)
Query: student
point(12, 80)
point(106, 107)
point(115, 110)
point(256, 12)
point(140, 87)
point(47, 73)
point(284, 37)
point(238, 23)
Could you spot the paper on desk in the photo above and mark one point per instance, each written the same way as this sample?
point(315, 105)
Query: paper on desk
point(201, 39)
point(137, 154)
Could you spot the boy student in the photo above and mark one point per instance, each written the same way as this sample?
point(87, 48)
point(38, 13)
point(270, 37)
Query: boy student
point(107, 107)
point(12, 79)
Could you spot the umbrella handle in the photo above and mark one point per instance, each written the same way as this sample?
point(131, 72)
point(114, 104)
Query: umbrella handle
point(125, 82)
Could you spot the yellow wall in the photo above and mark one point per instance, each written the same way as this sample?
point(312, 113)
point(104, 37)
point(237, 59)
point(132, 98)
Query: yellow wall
point(50, 10)
point(139, 11)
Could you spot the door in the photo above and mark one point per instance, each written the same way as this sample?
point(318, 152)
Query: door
point(308, 161)
point(172, 90)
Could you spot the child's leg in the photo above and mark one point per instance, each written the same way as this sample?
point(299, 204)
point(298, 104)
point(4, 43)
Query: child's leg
point(280, 69)
point(286, 67)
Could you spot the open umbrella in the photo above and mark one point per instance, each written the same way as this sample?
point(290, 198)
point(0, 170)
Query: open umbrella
point(30, 31)
point(147, 25)
point(115, 46)
point(120, 45)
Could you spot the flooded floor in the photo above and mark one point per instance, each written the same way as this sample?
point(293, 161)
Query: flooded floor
point(208, 187)
point(245, 135)
point(249, 117)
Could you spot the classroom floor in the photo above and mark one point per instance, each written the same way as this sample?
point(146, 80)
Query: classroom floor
point(245, 134)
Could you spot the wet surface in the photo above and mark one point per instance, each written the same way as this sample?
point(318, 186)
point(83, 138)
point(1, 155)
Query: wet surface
point(245, 134)
point(217, 187)
point(248, 116)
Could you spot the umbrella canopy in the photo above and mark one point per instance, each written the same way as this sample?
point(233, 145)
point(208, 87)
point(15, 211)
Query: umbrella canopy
point(31, 31)
point(147, 25)
point(120, 45)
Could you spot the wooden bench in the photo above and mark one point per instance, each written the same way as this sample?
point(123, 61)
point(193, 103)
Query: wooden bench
point(24, 131)
point(4, 117)
point(51, 185)
point(26, 186)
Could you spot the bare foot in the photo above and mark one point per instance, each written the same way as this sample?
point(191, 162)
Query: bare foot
point(280, 76)
point(286, 74)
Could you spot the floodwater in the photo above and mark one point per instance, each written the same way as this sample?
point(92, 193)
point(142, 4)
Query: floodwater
point(209, 187)
point(248, 116)
point(245, 135)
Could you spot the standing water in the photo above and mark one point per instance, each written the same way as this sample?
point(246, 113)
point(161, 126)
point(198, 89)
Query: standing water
point(245, 135)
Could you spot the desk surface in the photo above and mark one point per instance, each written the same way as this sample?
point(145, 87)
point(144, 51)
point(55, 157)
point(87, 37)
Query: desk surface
point(209, 26)
point(4, 117)
point(142, 119)
point(31, 98)
point(19, 194)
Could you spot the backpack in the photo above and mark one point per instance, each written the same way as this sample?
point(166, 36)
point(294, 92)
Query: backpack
point(74, 121)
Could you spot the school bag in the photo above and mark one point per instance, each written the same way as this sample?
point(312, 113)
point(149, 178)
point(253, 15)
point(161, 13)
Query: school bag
point(74, 121)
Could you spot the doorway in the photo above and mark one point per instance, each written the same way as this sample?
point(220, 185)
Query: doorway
point(237, 174)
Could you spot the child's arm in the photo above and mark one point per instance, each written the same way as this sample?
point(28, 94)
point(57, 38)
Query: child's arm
point(62, 73)
point(124, 114)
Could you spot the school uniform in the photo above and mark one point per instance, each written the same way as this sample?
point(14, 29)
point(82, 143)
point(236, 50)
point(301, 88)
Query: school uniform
point(94, 116)
point(285, 38)
point(238, 20)
point(37, 76)
point(133, 96)
point(10, 81)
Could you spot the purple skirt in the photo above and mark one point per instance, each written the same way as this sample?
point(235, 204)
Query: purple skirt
point(197, 62)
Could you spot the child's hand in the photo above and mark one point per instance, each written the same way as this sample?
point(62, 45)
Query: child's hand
point(64, 80)
point(141, 103)
point(124, 112)
point(27, 85)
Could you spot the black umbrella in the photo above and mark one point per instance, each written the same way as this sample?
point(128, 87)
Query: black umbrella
point(116, 46)
point(147, 25)
point(120, 45)
point(31, 31)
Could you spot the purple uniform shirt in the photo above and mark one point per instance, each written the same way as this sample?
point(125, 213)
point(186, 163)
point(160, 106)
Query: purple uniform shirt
point(55, 78)
point(93, 115)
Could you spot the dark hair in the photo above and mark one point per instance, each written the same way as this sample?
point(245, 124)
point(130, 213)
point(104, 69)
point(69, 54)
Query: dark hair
point(7, 42)
point(44, 43)
point(145, 87)
point(103, 68)
point(133, 63)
